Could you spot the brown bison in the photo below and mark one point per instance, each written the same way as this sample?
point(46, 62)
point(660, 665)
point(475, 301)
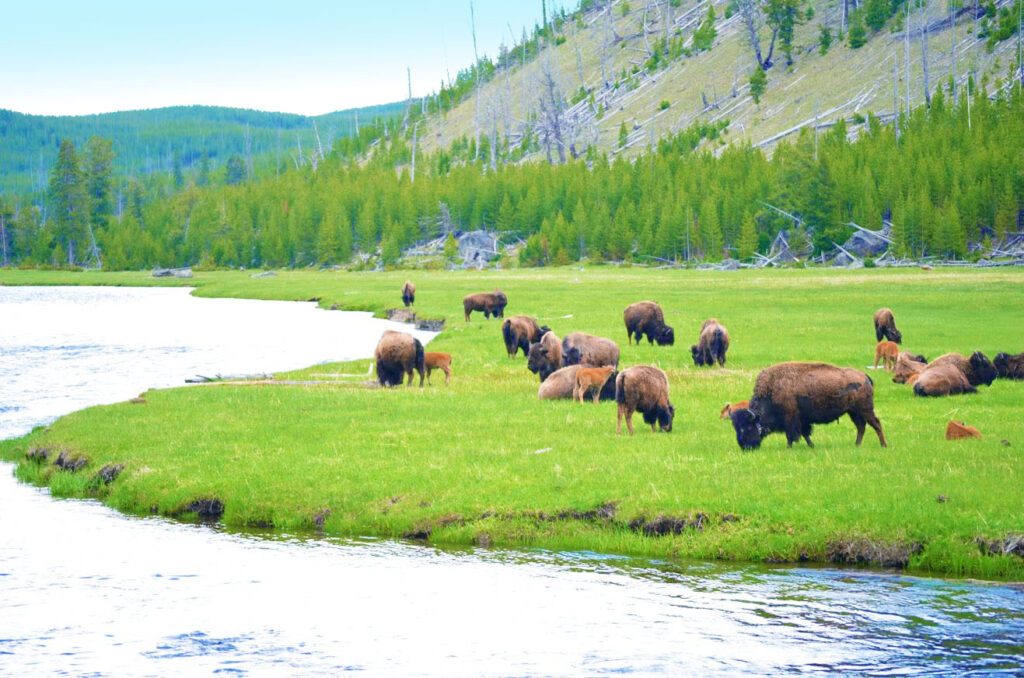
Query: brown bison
point(491, 303)
point(908, 367)
point(793, 396)
point(591, 378)
point(958, 430)
point(561, 383)
point(438, 361)
point(646, 317)
point(579, 348)
point(887, 352)
point(942, 380)
point(1009, 366)
point(729, 407)
point(978, 368)
point(712, 344)
point(643, 389)
point(885, 326)
point(398, 353)
point(408, 293)
point(519, 331)
point(545, 356)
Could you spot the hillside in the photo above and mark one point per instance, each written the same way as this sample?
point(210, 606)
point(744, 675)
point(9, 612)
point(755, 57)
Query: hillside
point(618, 39)
point(147, 141)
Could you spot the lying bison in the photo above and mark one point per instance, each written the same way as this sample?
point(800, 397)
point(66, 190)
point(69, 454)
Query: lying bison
point(580, 348)
point(793, 396)
point(408, 293)
point(885, 326)
point(937, 379)
point(545, 356)
point(561, 383)
point(908, 367)
point(398, 353)
point(491, 303)
point(646, 317)
point(519, 332)
point(643, 389)
point(1009, 366)
point(712, 344)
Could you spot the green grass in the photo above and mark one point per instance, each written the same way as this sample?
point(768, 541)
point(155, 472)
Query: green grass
point(484, 461)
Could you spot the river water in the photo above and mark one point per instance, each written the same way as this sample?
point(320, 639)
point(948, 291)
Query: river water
point(87, 591)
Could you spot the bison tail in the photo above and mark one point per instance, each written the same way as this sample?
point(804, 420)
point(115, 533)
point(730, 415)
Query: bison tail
point(506, 332)
point(620, 389)
point(419, 354)
point(718, 344)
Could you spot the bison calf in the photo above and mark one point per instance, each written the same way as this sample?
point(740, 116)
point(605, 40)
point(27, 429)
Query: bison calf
point(646, 317)
point(885, 326)
point(908, 367)
point(729, 407)
point(591, 377)
point(438, 361)
point(887, 352)
point(398, 353)
point(561, 384)
point(958, 430)
point(643, 389)
point(793, 396)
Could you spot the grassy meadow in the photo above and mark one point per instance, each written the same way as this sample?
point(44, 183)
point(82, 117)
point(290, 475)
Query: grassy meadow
point(485, 462)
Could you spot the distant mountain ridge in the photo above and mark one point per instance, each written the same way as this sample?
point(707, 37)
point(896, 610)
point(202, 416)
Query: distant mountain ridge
point(146, 141)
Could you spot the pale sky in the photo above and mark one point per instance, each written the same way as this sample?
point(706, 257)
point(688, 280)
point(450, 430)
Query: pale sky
point(301, 56)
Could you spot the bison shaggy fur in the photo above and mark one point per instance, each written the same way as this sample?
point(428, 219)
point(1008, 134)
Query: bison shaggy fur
point(978, 368)
point(646, 317)
point(490, 303)
point(712, 344)
point(908, 367)
point(408, 293)
point(545, 356)
point(562, 382)
point(1009, 366)
point(793, 396)
point(579, 348)
point(398, 354)
point(643, 389)
point(942, 380)
point(519, 331)
point(885, 326)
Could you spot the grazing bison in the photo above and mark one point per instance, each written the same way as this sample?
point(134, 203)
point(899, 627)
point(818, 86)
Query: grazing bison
point(885, 326)
point(1009, 366)
point(958, 430)
point(561, 383)
point(978, 368)
point(519, 331)
point(545, 356)
point(579, 348)
point(887, 352)
point(646, 317)
point(643, 389)
point(591, 378)
point(942, 380)
point(793, 396)
point(408, 293)
point(398, 353)
point(712, 344)
point(908, 367)
point(491, 303)
point(438, 361)
point(729, 407)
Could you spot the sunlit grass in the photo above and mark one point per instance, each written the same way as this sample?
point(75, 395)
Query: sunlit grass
point(484, 461)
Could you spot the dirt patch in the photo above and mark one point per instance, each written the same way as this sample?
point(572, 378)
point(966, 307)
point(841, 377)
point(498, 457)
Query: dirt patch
point(1012, 545)
point(67, 461)
point(207, 509)
point(663, 525)
point(863, 551)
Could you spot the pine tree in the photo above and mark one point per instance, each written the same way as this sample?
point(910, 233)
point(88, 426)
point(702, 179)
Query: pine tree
point(748, 237)
point(758, 84)
point(69, 207)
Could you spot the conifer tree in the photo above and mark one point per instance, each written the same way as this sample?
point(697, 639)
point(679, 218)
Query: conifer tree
point(69, 207)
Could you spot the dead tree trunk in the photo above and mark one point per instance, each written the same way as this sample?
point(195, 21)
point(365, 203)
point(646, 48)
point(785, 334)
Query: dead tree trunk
point(924, 59)
point(476, 70)
point(952, 47)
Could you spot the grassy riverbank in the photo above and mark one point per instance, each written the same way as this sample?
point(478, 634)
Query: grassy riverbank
point(483, 461)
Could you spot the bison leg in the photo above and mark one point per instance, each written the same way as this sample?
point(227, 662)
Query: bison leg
point(597, 393)
point(629, 420)
point(877, 425)
point(447, 374)
point(420, 370)
point(467, 316)
point(805, 431)
point(860, 423)
point(792, 429)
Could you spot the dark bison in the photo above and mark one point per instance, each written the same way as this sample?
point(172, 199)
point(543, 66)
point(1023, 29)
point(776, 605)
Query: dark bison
point(885, 326)
point(712, 344)
point(937, 379)
point(491, 303)
point(793, 396)
point(408, 293)
point(519, 331)
point(560, 384)
point(643, 389)
point(646, 317)
point(398, 353)
point(1009, 366)
point(580, 348)
point(545, 356)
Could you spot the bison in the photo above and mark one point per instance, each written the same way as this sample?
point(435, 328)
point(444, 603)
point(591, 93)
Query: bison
point(579, 348)
point(545, 356)
point(942, 379)
point(646, 317)
point(519, 331)
point(591, 378)
point(887, 352)
point(885, 326)
point(408, 293)
point(729, 407)
point(793, 396)
point(491, 303)
point(1009, 366)
point(561, 383)
point(958, 430)
point(908, 367)
point(643, 389)
point(438, 361)
point(712, 344)
point(978, 368)
point(398, 353)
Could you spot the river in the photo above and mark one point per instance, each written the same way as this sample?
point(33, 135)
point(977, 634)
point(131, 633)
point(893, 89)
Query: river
point(85, 590)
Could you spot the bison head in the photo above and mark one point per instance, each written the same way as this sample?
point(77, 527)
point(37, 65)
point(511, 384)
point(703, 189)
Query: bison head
point(1002, 364)
point(666, 337)
point(537, 358)
point(893, 334)
point(662, 415)
point(573, 356)
point(919, 358)
point(983, 368)
point(544, 329)
point(698, 355)
point(749, 431)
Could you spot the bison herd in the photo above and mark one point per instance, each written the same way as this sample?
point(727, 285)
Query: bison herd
point(788, 397)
